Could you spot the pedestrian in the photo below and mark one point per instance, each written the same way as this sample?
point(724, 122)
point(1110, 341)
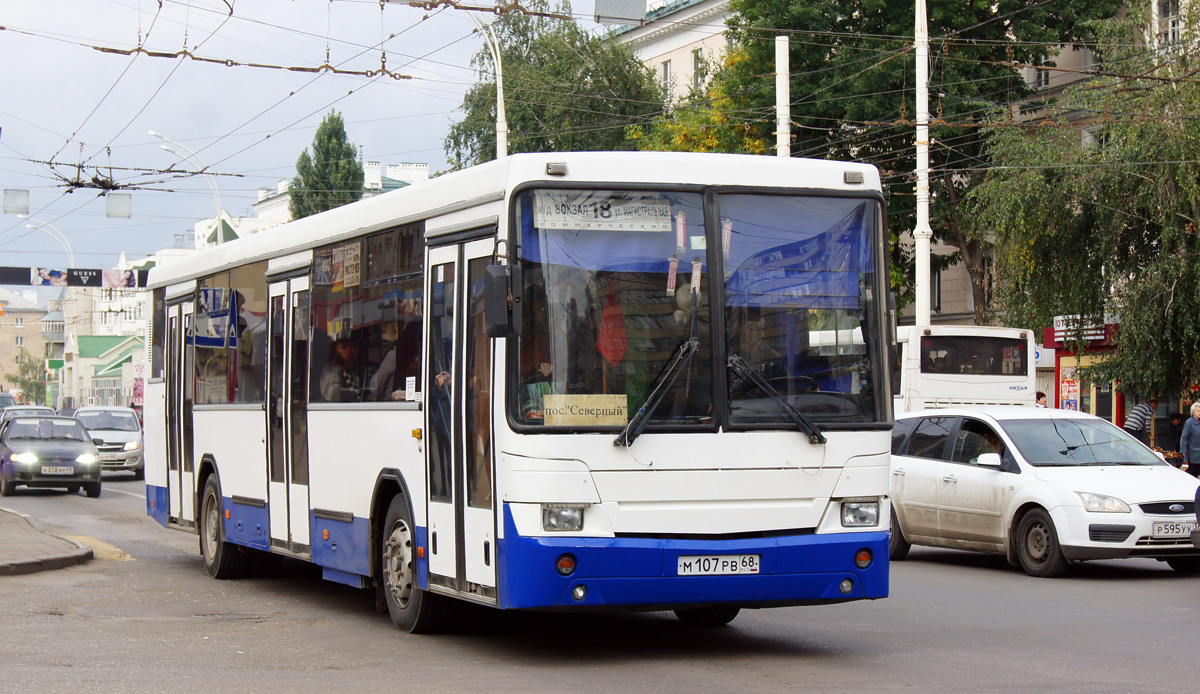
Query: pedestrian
point(1189, 442)
point(1139, 420)
point(1041, 399)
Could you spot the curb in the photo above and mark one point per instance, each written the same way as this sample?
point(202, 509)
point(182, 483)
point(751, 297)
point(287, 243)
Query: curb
point(82, 554)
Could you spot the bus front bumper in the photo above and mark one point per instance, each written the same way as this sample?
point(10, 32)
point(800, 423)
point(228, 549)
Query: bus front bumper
point(643, 573)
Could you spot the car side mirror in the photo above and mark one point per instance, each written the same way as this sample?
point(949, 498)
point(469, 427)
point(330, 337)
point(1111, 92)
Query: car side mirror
point(502, 300)
point(988, 460)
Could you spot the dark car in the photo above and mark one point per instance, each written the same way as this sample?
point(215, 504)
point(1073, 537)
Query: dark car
point(7, 400)
point(48, 452)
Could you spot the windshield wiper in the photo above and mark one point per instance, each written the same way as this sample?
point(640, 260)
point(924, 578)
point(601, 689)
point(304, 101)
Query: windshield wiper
point(683, 356)
point(747, 373)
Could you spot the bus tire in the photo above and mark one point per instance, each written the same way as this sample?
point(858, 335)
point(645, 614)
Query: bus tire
point(708, 616)
point(1038, 548)
point(898, 546)
point(411, 609)
point(222, 559)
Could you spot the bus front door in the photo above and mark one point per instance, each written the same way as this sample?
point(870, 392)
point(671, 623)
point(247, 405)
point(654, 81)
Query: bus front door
point(180, 379)
point(287, 417)
point(458, 418)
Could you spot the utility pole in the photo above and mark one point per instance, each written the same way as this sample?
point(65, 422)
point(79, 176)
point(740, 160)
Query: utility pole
point(922, 234)
point(783, 98)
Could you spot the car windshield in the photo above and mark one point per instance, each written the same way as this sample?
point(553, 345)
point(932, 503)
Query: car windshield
point(108, 421)
point(46, 429)
point(1076, 442)
point(624, 292)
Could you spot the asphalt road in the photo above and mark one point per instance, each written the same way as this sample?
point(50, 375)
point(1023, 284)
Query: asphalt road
point(145, 616)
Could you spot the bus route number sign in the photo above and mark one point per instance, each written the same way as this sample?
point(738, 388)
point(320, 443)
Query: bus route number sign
point(719, 565)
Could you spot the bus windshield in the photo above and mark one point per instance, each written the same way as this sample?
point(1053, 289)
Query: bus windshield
point(618, 286)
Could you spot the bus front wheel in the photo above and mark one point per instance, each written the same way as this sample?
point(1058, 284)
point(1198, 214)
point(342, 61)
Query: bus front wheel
point(221, 559)
point(411, 609)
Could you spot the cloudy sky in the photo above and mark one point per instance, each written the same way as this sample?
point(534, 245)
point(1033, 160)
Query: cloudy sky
point(76, 107)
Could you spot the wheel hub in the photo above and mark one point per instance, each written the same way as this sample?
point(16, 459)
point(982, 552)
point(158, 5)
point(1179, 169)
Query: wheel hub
point(397, 564)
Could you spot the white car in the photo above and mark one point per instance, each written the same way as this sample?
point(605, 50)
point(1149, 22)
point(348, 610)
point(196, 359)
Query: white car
point(1044, 487)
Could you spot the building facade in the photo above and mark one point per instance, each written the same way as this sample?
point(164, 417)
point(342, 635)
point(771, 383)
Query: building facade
point(20, 328)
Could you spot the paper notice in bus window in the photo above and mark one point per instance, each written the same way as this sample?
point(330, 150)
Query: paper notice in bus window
point(351, 264)
point(592, 211)
point(585, 410)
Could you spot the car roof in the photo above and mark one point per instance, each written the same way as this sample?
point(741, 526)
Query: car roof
point(41, 418)
point(103, 408)
point(1000, 413)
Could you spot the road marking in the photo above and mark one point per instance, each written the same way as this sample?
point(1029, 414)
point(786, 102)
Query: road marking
point(101, 549)
point(119, 491)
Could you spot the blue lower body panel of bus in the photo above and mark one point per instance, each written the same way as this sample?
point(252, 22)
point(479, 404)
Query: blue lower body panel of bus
point(643, 573)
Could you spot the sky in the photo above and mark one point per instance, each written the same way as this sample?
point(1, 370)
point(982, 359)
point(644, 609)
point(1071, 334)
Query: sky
point(75, 107)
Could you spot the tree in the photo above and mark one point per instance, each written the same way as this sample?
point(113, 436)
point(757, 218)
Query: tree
point(331, 176)
point(30, 378)
point(1110, 228)
point(852, 72)
point(564, 89)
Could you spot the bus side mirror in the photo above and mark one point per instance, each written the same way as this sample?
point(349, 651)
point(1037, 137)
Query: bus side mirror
point(502, 300)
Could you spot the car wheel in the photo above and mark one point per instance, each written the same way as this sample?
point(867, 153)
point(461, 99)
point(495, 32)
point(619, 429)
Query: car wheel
point(92, 489)
point(710, 616)
point(73, 489)
point(897, 546)
point(221, 559)
point(411, 609)
point(1038, 548)
point(7, 486)
point(1188, 566)
point(139, 474)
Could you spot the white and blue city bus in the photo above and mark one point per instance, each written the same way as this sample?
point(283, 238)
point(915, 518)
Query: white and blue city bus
point(549, 382)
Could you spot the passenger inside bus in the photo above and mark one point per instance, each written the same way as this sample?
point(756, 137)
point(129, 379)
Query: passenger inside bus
point(341, 380)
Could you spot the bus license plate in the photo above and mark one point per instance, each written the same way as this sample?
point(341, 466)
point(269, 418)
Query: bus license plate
point(57, 470)
point(719, 565)
point(1174, 529)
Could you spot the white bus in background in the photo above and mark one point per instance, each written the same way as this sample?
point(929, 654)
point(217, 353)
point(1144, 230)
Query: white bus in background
point(550, 382)
point(963, 365)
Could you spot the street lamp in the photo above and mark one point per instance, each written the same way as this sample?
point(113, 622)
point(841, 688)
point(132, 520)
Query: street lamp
point(48, 230)
point(501, 119)
point(195, 160)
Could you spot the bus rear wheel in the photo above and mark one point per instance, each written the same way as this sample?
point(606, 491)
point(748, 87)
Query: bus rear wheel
point(221, 559)
point(411, 609)
point(710, 616)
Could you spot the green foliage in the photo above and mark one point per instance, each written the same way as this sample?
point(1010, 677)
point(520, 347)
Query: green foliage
point(1110, 229)
point(331, 176)
point(30, 378)
point(564, 89)
point(852, 68)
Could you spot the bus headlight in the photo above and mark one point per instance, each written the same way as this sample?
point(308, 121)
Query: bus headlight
point(562, 517)
point(860, 513)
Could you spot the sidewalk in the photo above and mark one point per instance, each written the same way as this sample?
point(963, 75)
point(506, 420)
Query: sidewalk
point(24, 549)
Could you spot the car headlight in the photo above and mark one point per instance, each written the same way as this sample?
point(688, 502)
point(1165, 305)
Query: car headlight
point(562, 517)
point(1099, 503)
point(86, 459)
point(860, 513)
point(28, 458)
point(133, 445)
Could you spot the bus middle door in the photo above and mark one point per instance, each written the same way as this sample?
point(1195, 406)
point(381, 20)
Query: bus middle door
point(458, 418)
point(287, 417)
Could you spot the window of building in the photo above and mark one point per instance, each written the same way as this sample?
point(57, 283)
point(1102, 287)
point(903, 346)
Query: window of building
point(20, 341)
point(20, 322)
point(664, 75)
point(698, 68)
point(1168, 22)
point(366, 317)
point(1041, 78)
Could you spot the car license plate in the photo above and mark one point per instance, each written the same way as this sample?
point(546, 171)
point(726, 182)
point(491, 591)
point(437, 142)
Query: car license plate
point(1174, 529)
point(108, 456)
point(719, 565)
point(57, 470)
